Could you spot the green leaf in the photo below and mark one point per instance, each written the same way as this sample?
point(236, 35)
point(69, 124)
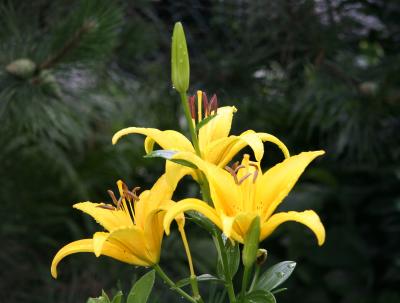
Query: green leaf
point(204, 122)
point(180, 68)
point(275, 275)
point(117, 298)
point(202, 221)
point(168, 154)
point(141, 290)
point(259, 296)
point(233, 255)
point(201, 278)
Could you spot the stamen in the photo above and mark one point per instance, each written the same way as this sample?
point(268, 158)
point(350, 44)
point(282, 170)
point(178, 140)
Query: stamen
point(244, 178)
point(199, 99)
point(111, 194)
point(255, 174)
point(232, 172)
point(235, 165)
point(239, 167)
point(213, 104)
point(106, 206)
point(205, 105)
point(192, 107)
point(134, 192)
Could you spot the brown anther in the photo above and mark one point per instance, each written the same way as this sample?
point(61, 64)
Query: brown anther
point(192, 107)
point(111, 194)
point(244, 178)
point(232, 172)
point(213, 106)
point(255, 175)
point(134, 192)
point(239, 167)
point(106, 206)
point(205, 105)
point(235, 165)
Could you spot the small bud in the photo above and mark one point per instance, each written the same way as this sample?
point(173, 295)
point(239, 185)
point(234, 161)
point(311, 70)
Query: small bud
point(21, 68)
point(251, 240)
point(180, 68)
point(261, 257)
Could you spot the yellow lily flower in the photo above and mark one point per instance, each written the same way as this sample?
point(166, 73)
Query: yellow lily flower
point(215, 143)
point(134, 226)
point(242, 192)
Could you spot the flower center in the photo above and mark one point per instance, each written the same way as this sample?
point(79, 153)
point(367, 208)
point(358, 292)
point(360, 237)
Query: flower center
point(239, 178)
point(126, 200)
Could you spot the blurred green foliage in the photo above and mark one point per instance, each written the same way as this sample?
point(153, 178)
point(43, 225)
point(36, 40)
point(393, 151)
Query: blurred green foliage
point(318, 74)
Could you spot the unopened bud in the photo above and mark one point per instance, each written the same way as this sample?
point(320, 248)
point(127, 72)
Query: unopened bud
point(251, 240)
point(21, 68)
point(261, 257)
point(180, 69)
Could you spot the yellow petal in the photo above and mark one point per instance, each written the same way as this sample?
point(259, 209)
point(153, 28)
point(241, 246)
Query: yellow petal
point(218, 127)
point(175, 172)
point(237, 227)
point(277, 182)
point(190, 204)
point(109, 219)
point(86, 245)
point(133, 240)
point(270, 138)
point(153, 232)
point(308, 218)
point(249, 138)
point(167, 139)
point(151, 200)
point(224, 191)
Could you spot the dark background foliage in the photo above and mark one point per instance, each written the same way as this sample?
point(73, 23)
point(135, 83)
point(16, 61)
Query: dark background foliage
point(318, 74)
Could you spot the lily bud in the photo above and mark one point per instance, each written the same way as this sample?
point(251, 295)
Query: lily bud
point(21, 68)
point(251, 240)
point(261, 257)
point(180, 68)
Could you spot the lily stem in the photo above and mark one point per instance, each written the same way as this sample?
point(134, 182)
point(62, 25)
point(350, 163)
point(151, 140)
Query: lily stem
point(188, 116)
point(171, 283)
point(245, 280)
point(225, 265)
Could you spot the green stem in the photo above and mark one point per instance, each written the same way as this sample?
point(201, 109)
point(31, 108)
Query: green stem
point(195, 289)
point(255, 277)
point(173, 286)
point(245, 281)
point(225, 265)
point(188, 116)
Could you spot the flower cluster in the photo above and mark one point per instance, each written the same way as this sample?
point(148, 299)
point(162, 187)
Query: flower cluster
point(240, 198)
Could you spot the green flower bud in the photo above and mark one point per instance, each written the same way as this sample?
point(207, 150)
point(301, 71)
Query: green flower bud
point(21, 68)
point(180, 68)
point(261, 256)
point(251, 240)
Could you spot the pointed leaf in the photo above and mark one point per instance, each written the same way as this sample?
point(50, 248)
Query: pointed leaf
point(201, 278)
point(204, 122)
point(202, 221)
point(168, 154)
point(233, 254)
point(141, 290)
point(117, 298)
point(275, 275)
point(259, 296)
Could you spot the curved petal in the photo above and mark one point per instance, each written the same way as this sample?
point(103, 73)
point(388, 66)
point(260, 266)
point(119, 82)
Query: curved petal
point(270, 138)
point(247, 138)
point(308, 218)
point(86, 245)
point(237, 227)
point(224, 191)
point(131, 239)
point(190, 204)
point(175, 172)
point(109, 219)
point(154, 232)
point(277, 182)
point(218, 127)
point(168, 139)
